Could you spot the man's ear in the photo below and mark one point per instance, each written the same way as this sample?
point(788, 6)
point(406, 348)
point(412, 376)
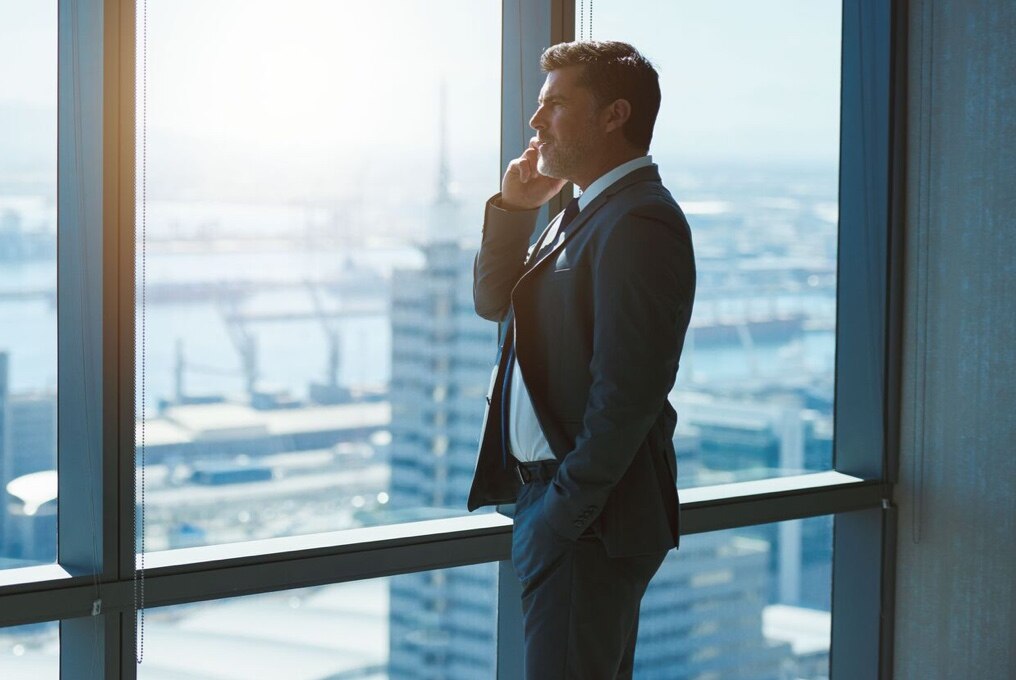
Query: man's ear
point(617, 114)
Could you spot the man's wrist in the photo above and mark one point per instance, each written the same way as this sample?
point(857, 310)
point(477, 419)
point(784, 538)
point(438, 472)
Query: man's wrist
point(508, 223)
point(498, 202)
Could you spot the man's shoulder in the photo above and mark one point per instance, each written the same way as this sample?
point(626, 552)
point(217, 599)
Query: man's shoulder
point(648, 200)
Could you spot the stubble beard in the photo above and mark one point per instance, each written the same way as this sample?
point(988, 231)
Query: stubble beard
point(563, 162)
point(549, 168)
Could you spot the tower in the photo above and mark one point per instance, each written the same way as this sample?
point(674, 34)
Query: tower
point(442, 624)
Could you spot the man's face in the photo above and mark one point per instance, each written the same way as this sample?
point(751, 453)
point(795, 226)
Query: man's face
point(566, 124)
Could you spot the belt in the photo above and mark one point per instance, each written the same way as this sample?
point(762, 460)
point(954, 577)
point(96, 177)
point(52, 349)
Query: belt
point(542, 470)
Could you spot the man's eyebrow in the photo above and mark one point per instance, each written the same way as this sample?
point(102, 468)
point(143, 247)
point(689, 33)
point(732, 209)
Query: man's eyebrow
point(552, 97)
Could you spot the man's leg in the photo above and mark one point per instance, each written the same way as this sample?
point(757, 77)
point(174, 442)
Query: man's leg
point(580, 613)
point(627, 668)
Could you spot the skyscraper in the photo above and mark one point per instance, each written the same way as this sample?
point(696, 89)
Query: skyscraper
point(27, 445)
point(443, 622)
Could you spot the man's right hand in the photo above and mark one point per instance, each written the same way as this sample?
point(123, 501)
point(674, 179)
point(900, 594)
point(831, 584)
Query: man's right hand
point(523, 187)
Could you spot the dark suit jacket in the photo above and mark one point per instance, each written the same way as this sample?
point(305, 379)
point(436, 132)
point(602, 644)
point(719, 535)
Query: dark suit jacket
point(599, 324)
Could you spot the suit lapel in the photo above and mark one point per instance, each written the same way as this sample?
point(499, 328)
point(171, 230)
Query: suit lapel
point(649, 173)
point(548, 233)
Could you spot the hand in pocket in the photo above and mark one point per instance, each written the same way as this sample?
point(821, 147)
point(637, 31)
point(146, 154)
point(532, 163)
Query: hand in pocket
point(536, 547)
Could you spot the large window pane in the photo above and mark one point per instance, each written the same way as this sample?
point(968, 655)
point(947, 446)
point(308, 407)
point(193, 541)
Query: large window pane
point(311, 360)
point(30, 652)
point(28, 41)
point(425, 625)
point(747, 140)
point(743, 604)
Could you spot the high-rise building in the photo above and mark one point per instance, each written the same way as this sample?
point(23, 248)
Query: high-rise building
point(27, 446)
point(701, 616)
point(442, 622)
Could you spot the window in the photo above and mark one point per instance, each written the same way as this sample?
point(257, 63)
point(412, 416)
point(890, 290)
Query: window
point(307, 189)
point(747, 140)
point(29, 652)
point(754, 601)
point(28, 324)
point(401, 519)
point(402, 626)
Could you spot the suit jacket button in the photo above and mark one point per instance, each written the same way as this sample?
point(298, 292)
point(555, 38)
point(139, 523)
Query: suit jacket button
point(577, 523)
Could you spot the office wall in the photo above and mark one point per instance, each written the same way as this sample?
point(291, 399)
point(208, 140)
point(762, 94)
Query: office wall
point(956, 562)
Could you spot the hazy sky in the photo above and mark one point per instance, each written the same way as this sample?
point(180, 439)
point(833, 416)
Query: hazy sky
point(304, 82)
point(740, 79)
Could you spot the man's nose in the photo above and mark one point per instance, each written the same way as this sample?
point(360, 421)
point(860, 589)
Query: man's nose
point(536, 122)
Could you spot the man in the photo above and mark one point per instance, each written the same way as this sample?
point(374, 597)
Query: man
point(578, 431)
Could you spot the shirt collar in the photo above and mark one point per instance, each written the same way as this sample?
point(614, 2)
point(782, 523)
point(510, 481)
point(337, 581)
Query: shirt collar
point(611, 176)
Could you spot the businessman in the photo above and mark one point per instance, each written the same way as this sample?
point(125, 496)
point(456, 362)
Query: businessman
point(578, 431)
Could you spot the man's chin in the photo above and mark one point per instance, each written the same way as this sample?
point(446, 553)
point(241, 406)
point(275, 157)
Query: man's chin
point(548, 170)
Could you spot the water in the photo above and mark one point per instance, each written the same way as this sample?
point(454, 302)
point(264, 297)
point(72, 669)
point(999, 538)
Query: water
point(293, 353)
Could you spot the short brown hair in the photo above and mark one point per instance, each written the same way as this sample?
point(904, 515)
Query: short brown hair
point(613, 70)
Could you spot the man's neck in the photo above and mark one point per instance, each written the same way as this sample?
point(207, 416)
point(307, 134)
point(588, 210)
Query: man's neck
point(605, 166)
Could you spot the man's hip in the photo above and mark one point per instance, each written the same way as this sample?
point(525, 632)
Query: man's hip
point(580, 605)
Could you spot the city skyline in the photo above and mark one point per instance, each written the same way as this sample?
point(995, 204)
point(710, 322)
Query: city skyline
point(283, 192)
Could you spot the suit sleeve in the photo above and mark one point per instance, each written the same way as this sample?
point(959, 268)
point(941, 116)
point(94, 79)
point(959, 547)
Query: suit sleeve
point(643, 285)
point(500, 260)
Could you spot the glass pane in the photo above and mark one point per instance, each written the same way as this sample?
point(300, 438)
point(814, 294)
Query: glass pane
point(426, 625)
point(743, 604)
point(30, 652)
point(28, 53)
point(311, 360)
point(747, 140)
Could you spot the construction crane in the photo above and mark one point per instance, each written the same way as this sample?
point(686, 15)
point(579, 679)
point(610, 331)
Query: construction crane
point(329, 392)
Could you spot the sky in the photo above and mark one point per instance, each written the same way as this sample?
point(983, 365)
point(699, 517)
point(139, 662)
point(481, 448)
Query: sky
point(324, 90)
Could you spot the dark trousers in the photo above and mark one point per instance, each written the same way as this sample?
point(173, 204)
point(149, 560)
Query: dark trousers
point(580, 607)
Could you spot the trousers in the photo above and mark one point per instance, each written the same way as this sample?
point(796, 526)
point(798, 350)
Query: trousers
point(580, 607)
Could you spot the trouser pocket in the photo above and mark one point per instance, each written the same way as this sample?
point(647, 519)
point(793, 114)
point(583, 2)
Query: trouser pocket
point(535, 547)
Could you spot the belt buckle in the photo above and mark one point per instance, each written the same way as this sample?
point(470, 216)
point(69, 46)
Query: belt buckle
point(523, 474)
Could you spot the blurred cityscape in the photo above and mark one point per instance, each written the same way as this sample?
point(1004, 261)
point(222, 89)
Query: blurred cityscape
point(308, 378)
point(311, 358)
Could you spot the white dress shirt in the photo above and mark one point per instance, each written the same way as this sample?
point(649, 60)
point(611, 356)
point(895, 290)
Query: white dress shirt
point(528, 443)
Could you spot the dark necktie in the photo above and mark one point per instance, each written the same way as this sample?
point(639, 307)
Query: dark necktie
point(569, 214)
point(570, 211)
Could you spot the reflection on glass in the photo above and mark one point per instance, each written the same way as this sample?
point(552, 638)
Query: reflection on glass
point(750, 604)
point(747, 140)
point(431, 624)
point(28, 323)
point(30, 652)
point(311, 358)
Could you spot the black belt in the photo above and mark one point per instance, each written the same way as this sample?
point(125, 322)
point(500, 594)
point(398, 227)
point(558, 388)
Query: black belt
point(542, 470)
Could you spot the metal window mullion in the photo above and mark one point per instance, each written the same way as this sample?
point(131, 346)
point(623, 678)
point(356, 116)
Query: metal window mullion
point(509, 642)
point(861, 287)
point(120, 97)
point(324, 564)
point(90, 208)
point(867, 353)
point(80, 355)
point(89, 647)
point(86, 534)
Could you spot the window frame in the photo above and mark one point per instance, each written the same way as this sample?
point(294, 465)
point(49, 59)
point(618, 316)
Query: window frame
point(91, 588)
